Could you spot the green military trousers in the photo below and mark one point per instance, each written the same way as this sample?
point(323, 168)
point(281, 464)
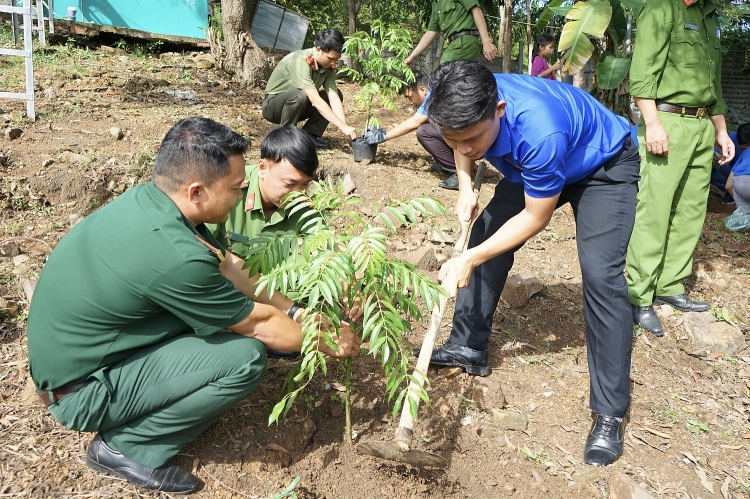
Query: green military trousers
point(671, 208)
point(151, 404)
point(464, 47)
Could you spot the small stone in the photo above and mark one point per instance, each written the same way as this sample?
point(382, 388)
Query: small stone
point(622, 486)
point(111, 185)
point(508, 420)
point(666, 310)
point(349, 185)
point(74, 218)
point(161, 82)
point(423, 258)
point(416, 238)
point(71, 157)
point(116, 133)
point(19, 259)
point(17, 116)
point(466, 421)
point(487, 393)
point(336, 410)
point(204, 64)
point(367, 211)
point(47, 162)
point(519, 288)
point(13, 133)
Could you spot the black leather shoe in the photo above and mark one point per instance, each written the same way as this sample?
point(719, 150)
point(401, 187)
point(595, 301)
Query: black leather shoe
point(683, 302)
point(450, 354)
point(604, 444)
point(450, 183)
point(279, 354)
point(167, 478)
point(646, 318)
point(438, 168)
point(318, 142)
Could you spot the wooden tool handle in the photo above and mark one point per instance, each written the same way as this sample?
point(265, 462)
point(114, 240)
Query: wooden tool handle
point(405, 430)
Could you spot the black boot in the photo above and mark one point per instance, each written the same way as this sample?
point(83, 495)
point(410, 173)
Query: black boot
point(451, 354)
point(604, 445)
point(646, 318)
point(166, 478)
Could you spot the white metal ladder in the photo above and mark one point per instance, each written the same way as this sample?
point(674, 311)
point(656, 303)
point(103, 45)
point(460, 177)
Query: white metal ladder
point(26, 53)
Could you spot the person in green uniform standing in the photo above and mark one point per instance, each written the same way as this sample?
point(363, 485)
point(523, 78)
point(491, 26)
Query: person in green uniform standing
point(675, 78)
point(303, 87)
point(462, 22)
point(141, 327)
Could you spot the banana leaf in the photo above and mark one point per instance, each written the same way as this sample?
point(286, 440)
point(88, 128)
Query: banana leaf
point(611, 71)
point(547, 13)
point(586, 18)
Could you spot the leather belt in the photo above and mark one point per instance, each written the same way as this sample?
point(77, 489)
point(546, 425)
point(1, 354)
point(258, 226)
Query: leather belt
point(466, 32)
point(698, 112)
point(59, 393)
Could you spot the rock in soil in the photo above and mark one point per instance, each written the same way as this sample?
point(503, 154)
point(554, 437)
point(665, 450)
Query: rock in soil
point(487, 393)
point(519, 288)
point(507, 420)
point(719, 336)
point(13, 133)
point(622, 486)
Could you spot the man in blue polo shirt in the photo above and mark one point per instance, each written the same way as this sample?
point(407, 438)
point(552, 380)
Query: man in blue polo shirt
point(554, 144)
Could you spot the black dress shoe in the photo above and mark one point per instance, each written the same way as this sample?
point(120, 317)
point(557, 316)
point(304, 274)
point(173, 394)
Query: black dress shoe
point(166, 478)
point(646, 318)
point(318, 142)
point(438, 168)
point(683, 302)
point(451, 354)
point(450, 183)
point(604, 444)
point(279, 354)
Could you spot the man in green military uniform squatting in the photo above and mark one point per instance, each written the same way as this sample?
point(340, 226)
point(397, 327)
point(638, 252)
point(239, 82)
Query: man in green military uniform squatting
point(141, 327)
point(462, 22)
point(303, 87)
point(675, 78)
point(288, 161)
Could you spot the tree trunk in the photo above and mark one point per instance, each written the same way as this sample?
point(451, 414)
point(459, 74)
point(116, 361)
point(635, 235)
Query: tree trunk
point(508, 43)
point(354, 6)
point(239, 55)
point(529, 40)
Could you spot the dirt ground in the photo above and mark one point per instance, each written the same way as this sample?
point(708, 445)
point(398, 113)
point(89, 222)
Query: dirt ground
point(687, 434)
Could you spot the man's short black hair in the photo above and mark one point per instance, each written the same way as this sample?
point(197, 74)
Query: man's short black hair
point(196, 149)
point(743, 135)
point(462, 94)
point(329, 39)
point(420, 80)
point(290, 143)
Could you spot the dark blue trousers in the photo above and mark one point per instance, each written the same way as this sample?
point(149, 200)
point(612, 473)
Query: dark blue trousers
point(604, 207)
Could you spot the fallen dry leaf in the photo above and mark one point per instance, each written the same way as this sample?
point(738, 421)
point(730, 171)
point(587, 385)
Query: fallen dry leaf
point(732, 447)
point(704, 479)
point(277, 448)
point(725, 487)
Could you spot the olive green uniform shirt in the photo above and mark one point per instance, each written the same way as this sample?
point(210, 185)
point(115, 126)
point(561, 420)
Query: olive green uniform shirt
point(677, 58)
point(128, 276)
point(247, 220)
point(294, 73)
point(452, 16)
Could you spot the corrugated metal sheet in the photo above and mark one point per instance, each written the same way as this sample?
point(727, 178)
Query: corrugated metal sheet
point(275, 27)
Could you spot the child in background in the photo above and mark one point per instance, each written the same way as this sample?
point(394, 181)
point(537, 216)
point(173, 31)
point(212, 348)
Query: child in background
point(738, 183)
point(543, 49)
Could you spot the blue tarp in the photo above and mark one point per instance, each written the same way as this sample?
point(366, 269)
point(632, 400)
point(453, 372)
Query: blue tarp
point(165, 17)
